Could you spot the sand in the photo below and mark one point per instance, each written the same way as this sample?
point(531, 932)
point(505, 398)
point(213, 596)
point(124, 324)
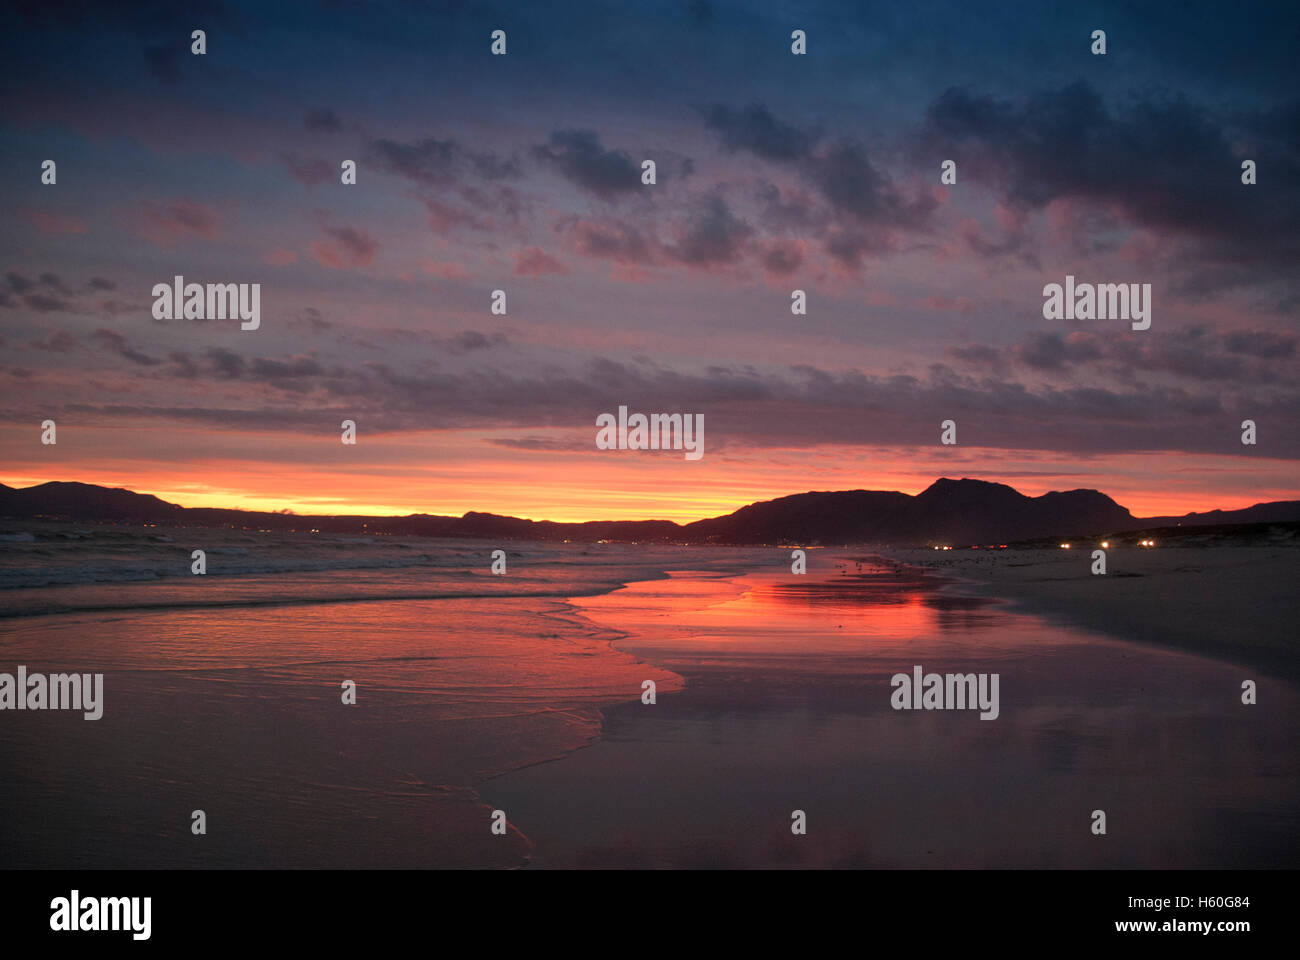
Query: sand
point(1235, 603)
point(787, 706)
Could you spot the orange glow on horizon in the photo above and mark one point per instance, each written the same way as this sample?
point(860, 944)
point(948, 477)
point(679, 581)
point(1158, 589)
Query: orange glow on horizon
point(450, 473)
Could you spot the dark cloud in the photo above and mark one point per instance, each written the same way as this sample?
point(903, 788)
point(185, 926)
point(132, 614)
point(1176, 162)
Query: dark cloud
point(1191, 354)
point(298, 366)
point(782, 257)
point(979, 354)
point(437, 163)
point(18, 283)
point(1261, 343)
point(58, 342)
point(115, 342)
point(851, 204)
point(785, 211)
point(1051, 351)
point(1167, 163)
point(610, 240)
point(470, 340)
point(579, 158)
point(714, 235)
point(55, 283)
point(225, 363)
point(322, 120)
point(347, 247)
point(44, 303)
point(309, 317)
point(797, 407)
point(756, 130)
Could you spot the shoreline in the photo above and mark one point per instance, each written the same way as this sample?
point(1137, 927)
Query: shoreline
point(787, 707)
point(1236, 604)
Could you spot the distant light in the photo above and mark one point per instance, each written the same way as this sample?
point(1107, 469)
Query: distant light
point(1105, 543)
point(1065, 546)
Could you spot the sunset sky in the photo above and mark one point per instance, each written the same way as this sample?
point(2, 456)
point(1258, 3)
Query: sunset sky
point(523, 173)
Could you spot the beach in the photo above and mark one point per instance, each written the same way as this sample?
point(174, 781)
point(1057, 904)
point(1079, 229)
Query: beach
point(523, 693)
point(1235, 601)
point(787, 707)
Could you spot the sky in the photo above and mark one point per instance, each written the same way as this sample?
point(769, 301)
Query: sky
point(775, 172)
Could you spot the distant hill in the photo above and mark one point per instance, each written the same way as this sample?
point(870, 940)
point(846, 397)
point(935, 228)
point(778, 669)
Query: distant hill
point(952, 511)
point(84, 501)
point(957, 512)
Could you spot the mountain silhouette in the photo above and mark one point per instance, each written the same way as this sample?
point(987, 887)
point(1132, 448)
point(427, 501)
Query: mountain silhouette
point(956, 512)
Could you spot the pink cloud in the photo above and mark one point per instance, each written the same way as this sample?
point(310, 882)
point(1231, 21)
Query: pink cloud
point(535, 262)
point(447, 271)
point(345, 247)
point(55, 223)
point(962, 304)
point(279, 257)
point(627, 273)
point(169, 223)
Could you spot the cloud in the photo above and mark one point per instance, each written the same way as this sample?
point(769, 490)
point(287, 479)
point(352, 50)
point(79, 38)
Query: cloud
point(535, 262)
point(712, 236)
point(578, 156)
point(58, 342)
point(1165, 163)
point(791, 407)
point(782, 257)
point(1051, 351)
point(115, 342)
point(54, 224)
point(322, 120)
point(346, 247)
point(1261, 343)
point(308, 171)
point(756, 130)
point(1194, 354)
point(309, 317)
point(438, 163)
point(279, 257)
point(169, 223)
point(610, 240)
point(846, 200)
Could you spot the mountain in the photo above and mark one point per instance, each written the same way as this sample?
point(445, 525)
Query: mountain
point(951, 511)
point(956, 512)
point(84, 501)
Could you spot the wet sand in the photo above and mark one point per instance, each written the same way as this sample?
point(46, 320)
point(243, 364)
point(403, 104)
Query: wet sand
point(1234, 602)
point(238, 712)
point(787, 707)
